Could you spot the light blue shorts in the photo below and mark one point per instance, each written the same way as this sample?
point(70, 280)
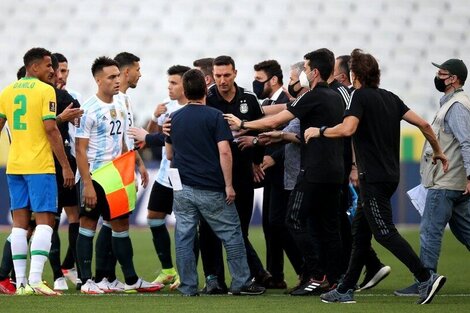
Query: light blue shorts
point(38, 192)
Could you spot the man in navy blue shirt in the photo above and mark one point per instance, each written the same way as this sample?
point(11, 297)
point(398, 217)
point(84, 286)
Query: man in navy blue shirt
point(199, 147)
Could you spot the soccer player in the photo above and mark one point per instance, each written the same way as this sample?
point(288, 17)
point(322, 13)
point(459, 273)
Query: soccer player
point(161, 198)
point(30, 105)
point(99, 140)
point(129, 69)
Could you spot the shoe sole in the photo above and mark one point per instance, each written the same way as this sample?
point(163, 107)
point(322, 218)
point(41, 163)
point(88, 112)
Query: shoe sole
point(251, 293)
point(345, 302)
point(42, 293)
point(402, 294)
point(6, 291)
point(440, 281)
point(378, 277)
point(94, 293)
point(143, 290)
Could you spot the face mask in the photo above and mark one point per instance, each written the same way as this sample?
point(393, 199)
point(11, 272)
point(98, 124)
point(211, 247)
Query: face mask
point(440, 84)
point(258, 87)
point(304, 80)
point(291, 90)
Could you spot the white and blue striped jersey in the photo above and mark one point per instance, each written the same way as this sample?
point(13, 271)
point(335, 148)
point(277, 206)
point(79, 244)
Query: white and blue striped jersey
point(104, 124)
point(126, 102)
point(162, 175)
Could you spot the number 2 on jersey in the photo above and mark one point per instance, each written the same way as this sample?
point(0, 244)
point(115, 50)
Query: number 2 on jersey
point(117, 125)
point(17, 124)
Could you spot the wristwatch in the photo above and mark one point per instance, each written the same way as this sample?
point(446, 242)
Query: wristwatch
point(255, 141)
point(468, 177)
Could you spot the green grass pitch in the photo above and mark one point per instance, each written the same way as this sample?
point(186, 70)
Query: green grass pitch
point(454, 297)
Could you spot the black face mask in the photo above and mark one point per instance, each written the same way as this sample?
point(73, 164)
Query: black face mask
point(440, 84)
point(291, 90)
point(258, 88)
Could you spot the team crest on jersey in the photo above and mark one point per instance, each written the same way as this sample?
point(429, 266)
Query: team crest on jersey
point(52, 106)
point(243, 107)
point(113, 113)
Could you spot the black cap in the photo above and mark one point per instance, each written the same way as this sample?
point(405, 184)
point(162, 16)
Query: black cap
point(455, 67)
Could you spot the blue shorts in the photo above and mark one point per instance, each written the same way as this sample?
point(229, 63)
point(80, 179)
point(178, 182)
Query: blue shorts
point(38, 192)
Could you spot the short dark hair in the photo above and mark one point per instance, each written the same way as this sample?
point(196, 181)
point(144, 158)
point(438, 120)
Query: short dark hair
point(365, 68)
point(102, 62)
point(21, 72)
point(224, 60)
point(55, 63)
point(177, 70)
point(126, 59)
point(344, 63)
point(271, 68)
point(35, 54)
point(60, 57)
point(323, 60)
point(205, 65)
point(194, 84)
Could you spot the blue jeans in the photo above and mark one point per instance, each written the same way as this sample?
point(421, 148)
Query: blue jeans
point(189, 205)
point(442, 207)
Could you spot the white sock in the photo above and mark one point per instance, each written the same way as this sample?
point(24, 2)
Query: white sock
point(40, 246)
point(19, 252)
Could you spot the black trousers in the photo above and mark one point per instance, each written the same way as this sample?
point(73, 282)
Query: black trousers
point(316, 205)
point(277, 236)
point(375, 218)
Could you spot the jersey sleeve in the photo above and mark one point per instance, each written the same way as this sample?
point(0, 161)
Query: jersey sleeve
point(302, 105)
point(355, 107)
point(49, 104)
point(87, 121)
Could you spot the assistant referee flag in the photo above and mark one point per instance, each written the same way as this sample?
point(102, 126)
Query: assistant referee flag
point(118, 181)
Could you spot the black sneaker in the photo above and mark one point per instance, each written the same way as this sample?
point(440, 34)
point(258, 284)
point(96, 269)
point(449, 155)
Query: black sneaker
point(410, 291)
point(312, 287)
point(372, 278)
point(252, 289)
point(428, 289)
point(263, 279)
point(272, 283)
point(213, 287)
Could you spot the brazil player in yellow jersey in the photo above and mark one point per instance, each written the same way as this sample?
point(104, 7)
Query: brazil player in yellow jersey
point(29, 105)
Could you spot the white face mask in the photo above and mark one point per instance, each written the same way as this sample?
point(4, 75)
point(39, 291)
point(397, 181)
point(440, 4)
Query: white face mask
point(304, 80)
point(351, 78)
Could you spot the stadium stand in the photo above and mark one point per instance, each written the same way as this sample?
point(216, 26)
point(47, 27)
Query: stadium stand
point(405, 35)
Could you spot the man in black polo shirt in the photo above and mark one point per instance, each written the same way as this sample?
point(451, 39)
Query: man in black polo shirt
point(373, 118)
point(228, 97)
point(315, 197)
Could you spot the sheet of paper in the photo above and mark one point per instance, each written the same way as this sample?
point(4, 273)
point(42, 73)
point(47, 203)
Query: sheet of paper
point(417, 196)
point(175, 180)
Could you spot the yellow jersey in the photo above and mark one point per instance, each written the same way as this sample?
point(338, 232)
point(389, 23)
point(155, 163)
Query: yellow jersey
point(25, 104)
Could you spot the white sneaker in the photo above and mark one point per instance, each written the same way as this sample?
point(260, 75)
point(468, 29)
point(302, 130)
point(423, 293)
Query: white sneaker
point(91, 288)
point(61, 284)
point(143, 286)
point(70, 274)
point(117, 285)
point(107, 287)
